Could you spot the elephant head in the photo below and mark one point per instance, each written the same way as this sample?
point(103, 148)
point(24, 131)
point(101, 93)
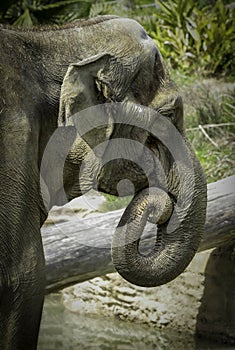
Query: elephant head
point(121, 63)
point(118, 141)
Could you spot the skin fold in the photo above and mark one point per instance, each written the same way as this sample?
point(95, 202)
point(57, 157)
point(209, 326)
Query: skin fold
point(47, 157)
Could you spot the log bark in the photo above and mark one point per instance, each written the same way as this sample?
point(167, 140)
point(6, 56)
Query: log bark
point(80, 250)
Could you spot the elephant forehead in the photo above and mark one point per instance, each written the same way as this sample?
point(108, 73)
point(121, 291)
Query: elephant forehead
point(128, 30)
point(120, 37)
point(132, 27)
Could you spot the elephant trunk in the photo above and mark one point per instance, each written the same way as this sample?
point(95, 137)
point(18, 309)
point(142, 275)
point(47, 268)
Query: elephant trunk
point(178, 234)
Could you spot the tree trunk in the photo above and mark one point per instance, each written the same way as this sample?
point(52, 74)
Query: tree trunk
point(79, 250)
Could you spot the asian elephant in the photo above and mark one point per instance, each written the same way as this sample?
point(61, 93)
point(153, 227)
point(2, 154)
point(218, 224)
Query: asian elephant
point(48, 75)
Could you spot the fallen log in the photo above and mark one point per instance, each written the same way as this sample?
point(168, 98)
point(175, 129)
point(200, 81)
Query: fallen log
point(79, 250)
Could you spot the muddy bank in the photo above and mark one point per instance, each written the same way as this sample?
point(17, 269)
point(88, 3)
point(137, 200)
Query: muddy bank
point(65, 330)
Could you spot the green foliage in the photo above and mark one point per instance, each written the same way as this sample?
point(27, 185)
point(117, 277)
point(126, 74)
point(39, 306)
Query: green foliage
point(193, 38)
point(209, 104)
point(114, 203)
point(216, 163)
point(33, 12)
point(211, 126)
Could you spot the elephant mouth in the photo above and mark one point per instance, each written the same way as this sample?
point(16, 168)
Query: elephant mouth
point(138, 169)
point(122, 177)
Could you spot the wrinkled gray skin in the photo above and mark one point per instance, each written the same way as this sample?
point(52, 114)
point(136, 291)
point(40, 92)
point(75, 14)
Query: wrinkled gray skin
point(46, 76)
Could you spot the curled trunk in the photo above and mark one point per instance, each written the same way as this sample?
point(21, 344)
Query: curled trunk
point(178, 233)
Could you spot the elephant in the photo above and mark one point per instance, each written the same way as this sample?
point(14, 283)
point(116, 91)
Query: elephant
point(48, 75)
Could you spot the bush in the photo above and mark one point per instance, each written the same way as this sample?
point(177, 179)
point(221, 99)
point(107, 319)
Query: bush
point(32, 12)
point(194, 38)
point(209, 107)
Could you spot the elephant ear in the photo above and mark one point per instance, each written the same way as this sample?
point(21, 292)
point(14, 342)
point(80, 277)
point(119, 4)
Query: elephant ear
point(97, 79)
point(80, 89)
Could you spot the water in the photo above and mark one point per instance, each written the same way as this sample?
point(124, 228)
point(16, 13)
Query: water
point(64, 330)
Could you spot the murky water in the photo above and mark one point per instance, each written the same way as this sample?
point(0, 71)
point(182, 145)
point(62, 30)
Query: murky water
point(64, 330)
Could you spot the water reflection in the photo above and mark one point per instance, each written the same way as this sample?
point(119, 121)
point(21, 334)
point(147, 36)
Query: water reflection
point(64, 330)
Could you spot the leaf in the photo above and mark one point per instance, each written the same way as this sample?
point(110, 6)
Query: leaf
point(220, 10)
point(24, 20)
point(193, 32)
point(191, 22)
point(186, 6)
point(102, 8)
point(56, 5)
point(69, 12)
point(164, 6)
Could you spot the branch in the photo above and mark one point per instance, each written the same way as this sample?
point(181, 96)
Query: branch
point(207, 136)
point(207, 126)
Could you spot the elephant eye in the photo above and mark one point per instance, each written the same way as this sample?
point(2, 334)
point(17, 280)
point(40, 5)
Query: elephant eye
point(170, 115)
point(137, 95)
point(163, 111)
point(144, 34)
